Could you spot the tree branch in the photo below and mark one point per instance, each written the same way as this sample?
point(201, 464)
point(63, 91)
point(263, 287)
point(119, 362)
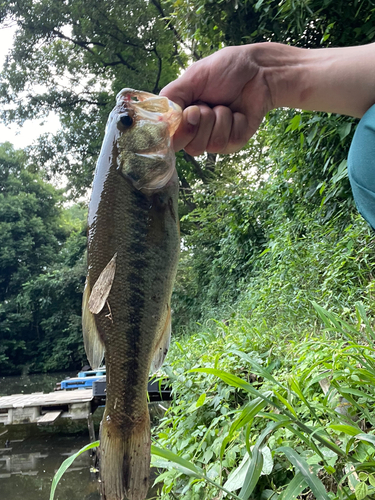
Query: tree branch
point(80, 43)
point(170, 26)
point(85, 45)
point(156, 86)
point(120, 61)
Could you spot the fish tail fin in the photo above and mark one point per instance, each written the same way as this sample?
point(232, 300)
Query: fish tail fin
point(125, 460)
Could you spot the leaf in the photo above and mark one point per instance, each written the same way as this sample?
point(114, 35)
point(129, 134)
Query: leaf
point(344, 130)
point(252, 474)
point(286, 403)
point(248, 413)
point(267, 461)
point(258, 368)
point(239, 383)
point(256, 463)
point(201, 400)
point(369, 438)
point(179, 346)
point(350, 430)
point(361, 491)
point(295, 487)
point(66, 464)
point(300, 464)
point(294, 123)
point(229, 379)
point(342, 172)
point(237, 477)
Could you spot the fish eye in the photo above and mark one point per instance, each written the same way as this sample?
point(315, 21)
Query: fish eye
point(126, 120)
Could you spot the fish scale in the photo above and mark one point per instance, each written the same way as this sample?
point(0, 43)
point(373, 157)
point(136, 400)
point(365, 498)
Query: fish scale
point(133, 247)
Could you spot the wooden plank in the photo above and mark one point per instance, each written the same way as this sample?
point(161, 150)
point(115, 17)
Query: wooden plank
point(56, 398)
point(49, 417)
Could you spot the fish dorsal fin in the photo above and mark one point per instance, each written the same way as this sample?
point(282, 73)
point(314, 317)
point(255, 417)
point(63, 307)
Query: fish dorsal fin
point(94, 346)
point(162, 344)
point(102, 287)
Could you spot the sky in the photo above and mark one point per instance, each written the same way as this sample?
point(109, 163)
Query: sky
point(23, 136)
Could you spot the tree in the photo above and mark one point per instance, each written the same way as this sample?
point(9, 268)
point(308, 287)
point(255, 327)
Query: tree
point(80, 54)
point(33, 234)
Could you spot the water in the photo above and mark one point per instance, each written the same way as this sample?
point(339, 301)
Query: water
point(30, 455)
point(31, 458)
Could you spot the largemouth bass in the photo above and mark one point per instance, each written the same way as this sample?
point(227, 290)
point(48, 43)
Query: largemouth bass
point(133, 247)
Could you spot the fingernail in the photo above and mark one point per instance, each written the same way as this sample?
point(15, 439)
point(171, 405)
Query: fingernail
point(193, 115)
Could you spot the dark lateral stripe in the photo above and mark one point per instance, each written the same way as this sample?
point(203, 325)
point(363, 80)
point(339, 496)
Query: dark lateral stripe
point(137, 247)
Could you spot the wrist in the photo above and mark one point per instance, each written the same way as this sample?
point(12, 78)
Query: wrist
point(285, 72)
point(337, 80)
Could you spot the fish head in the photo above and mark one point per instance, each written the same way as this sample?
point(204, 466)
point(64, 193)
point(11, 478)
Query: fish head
point(143, 126)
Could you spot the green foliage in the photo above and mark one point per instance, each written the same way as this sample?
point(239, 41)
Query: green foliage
point(281, 418)
point(42, 272)
point(279, 233)
point(212, 25)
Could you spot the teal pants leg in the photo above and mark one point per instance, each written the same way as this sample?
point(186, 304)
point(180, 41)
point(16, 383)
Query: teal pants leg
point(361, 166)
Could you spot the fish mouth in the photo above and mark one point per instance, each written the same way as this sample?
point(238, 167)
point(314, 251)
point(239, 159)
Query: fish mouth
point(151, 107)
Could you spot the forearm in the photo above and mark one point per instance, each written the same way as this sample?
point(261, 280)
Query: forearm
point(338, 80)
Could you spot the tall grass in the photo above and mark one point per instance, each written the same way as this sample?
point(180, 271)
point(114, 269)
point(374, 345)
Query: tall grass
point(272, 421)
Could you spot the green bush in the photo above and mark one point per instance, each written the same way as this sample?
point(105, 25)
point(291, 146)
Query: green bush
point(267, 417)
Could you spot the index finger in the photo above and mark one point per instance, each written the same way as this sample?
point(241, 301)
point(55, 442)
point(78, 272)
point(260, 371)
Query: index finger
point(181, 95)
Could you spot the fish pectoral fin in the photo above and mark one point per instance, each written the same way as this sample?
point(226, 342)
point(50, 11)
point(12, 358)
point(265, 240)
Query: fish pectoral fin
point(162, 344)
point(94, 346)
point(102, 287)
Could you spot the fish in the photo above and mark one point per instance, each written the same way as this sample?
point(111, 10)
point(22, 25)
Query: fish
point(133, 250)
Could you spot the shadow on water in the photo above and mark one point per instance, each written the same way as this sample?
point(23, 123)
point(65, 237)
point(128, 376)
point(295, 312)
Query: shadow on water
point(30, 455)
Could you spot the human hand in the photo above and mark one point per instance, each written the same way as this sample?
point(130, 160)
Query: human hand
point(224, 97)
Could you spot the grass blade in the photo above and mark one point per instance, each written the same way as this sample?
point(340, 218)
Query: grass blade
point(253, 474)
point(247, 414)
point(184, 465)
point(66, 464)
point(188, 468)
point(239, 383)
point(302, 466)
point(256, 464)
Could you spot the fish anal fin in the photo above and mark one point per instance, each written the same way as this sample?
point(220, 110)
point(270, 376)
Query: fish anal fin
point(94, 346)
point(102, 287)
point(162, 344)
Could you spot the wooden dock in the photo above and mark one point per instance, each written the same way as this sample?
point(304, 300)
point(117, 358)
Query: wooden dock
point(45, 409)
point(75, 404)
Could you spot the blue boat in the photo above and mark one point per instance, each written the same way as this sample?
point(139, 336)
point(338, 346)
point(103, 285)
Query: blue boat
point(84, 379)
